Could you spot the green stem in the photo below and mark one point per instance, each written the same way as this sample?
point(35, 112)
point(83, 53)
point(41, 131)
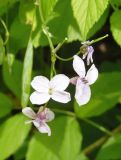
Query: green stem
point(100, 141)
point(113, 6)
point(67, 59)
point(6, 31)
point(98, 39)
point(60, 45)
point(90, 43)
point(92, 123)
point(41, 13)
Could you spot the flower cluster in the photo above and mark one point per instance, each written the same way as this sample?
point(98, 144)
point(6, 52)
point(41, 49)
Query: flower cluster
point(55, 89)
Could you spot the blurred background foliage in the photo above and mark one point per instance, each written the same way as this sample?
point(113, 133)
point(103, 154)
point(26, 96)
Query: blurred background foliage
point(24, 52)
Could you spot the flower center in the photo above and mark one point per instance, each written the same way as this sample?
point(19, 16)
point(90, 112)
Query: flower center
point(50, 91)
point(84, 80)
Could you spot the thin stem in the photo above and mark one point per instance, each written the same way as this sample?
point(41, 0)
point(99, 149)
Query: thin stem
point(64, 112)
point(98, 39)
point(6, 31)
point(67, 59)
point(81, 48)
point(97, 126)
point(113, 6)
point(41, 13)
point(60, 45)
point(100, 141)
point(92, 123)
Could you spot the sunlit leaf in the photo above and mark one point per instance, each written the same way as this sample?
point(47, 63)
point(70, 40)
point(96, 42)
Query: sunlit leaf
point(82, 157)
point(111, 149)
point(87, 13)
point(26, 77)
point(75, 23)
point(12, 134)
point(105, 94)
point(5, 105)
point(115, 25)
point(46, 9)
point(26, 12)
point(64, 144)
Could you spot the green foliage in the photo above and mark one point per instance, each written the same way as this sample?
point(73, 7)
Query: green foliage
point(13, 79)
point(27, 71)
point(5, 105)
point(66, 137)
point(4, 5)
point(111, 149)
point(25, 51)
point(12, 134)
point(2, 51)
point(19, 35)
point(116, 26)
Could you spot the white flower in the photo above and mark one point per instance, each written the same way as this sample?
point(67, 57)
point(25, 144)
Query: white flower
point(40, 118)
point(83, 81)
point(46, 89)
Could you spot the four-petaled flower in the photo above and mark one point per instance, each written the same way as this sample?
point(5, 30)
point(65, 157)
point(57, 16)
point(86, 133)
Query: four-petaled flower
point(82, 82)
point(46, 89)
point(40, 118)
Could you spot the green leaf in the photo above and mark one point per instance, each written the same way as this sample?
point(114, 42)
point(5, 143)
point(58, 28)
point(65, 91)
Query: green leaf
point(115, 24)
point(111, 149)
point(26, 12)
point(82, 157)
point(6, 4)
point(19, 35)
point(5, 105)
point(46, 9)
point(13, 79)
point(116, 2)
point(10, 60)
point(106, 92)
point(12, 135)
point(64, 144)
point(87, 13)
point(27, 72)
point(75, 23)
point(2, 51)
point(99, 24)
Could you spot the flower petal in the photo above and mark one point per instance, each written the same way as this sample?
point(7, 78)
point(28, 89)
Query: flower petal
point(90, 54)
point(40, 84)
point(74, 80)
point(59, 82)
point(42, 127)
point(92, 74)
point(29, 112)
point(79, 66)
point(49, 115)
point(61, 96)
point(83, 93)
point(39, 98)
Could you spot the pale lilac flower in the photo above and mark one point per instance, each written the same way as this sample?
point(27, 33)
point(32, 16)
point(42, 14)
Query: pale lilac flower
point(89, 55)
point(83, 80)
point(46, 89)
point(89, 52)
point(40, 118)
